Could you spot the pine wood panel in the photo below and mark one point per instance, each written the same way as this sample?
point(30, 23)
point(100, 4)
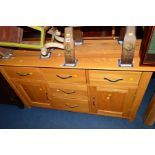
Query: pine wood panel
point(19, 93)
point(34, 92)
point(145, 78)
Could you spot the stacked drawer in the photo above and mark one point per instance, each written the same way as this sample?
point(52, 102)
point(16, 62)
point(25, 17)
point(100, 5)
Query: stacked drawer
point(66, 89)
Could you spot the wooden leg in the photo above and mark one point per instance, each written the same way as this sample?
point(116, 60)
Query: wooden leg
point(149, 117)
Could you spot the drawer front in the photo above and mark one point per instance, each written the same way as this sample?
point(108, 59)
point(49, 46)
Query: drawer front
point(70, 105)
point(70, 91)
point(114, 78)
point(26, 73)
point(64, 75)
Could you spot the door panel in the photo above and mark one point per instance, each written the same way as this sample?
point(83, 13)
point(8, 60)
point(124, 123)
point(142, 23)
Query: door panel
point(109, 101)
point(34, 92)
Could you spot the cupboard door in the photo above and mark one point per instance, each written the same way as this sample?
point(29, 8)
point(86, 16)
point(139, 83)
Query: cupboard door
point(34, 92)
point(112, 102)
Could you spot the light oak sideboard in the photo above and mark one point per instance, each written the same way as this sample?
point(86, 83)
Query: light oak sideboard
point(96, 85)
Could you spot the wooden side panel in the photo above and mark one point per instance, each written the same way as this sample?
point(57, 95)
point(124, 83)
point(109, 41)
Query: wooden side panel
point(20, 95)
point(144, 81)
point(35, 91)
point(149, 117)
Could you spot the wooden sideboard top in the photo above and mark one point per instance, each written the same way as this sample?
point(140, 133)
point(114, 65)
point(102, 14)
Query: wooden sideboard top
point(94, 54)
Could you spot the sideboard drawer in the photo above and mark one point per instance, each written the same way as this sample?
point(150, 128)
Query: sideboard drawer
point(70, 91)
point(26, 73)
point(64, 75)
point(114, 78)
point(70, 105)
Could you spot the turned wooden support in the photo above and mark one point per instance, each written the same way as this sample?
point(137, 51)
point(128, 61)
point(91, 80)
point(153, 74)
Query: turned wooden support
point(128, 46)
point(149, 117)
point(69, 52)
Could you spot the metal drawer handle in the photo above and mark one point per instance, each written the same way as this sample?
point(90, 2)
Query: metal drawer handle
point(23, 73)
point(64, 77)
point(94, 100)
point(47, 98)
point(72, 106)
point(72, 92)
point(110, 80)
